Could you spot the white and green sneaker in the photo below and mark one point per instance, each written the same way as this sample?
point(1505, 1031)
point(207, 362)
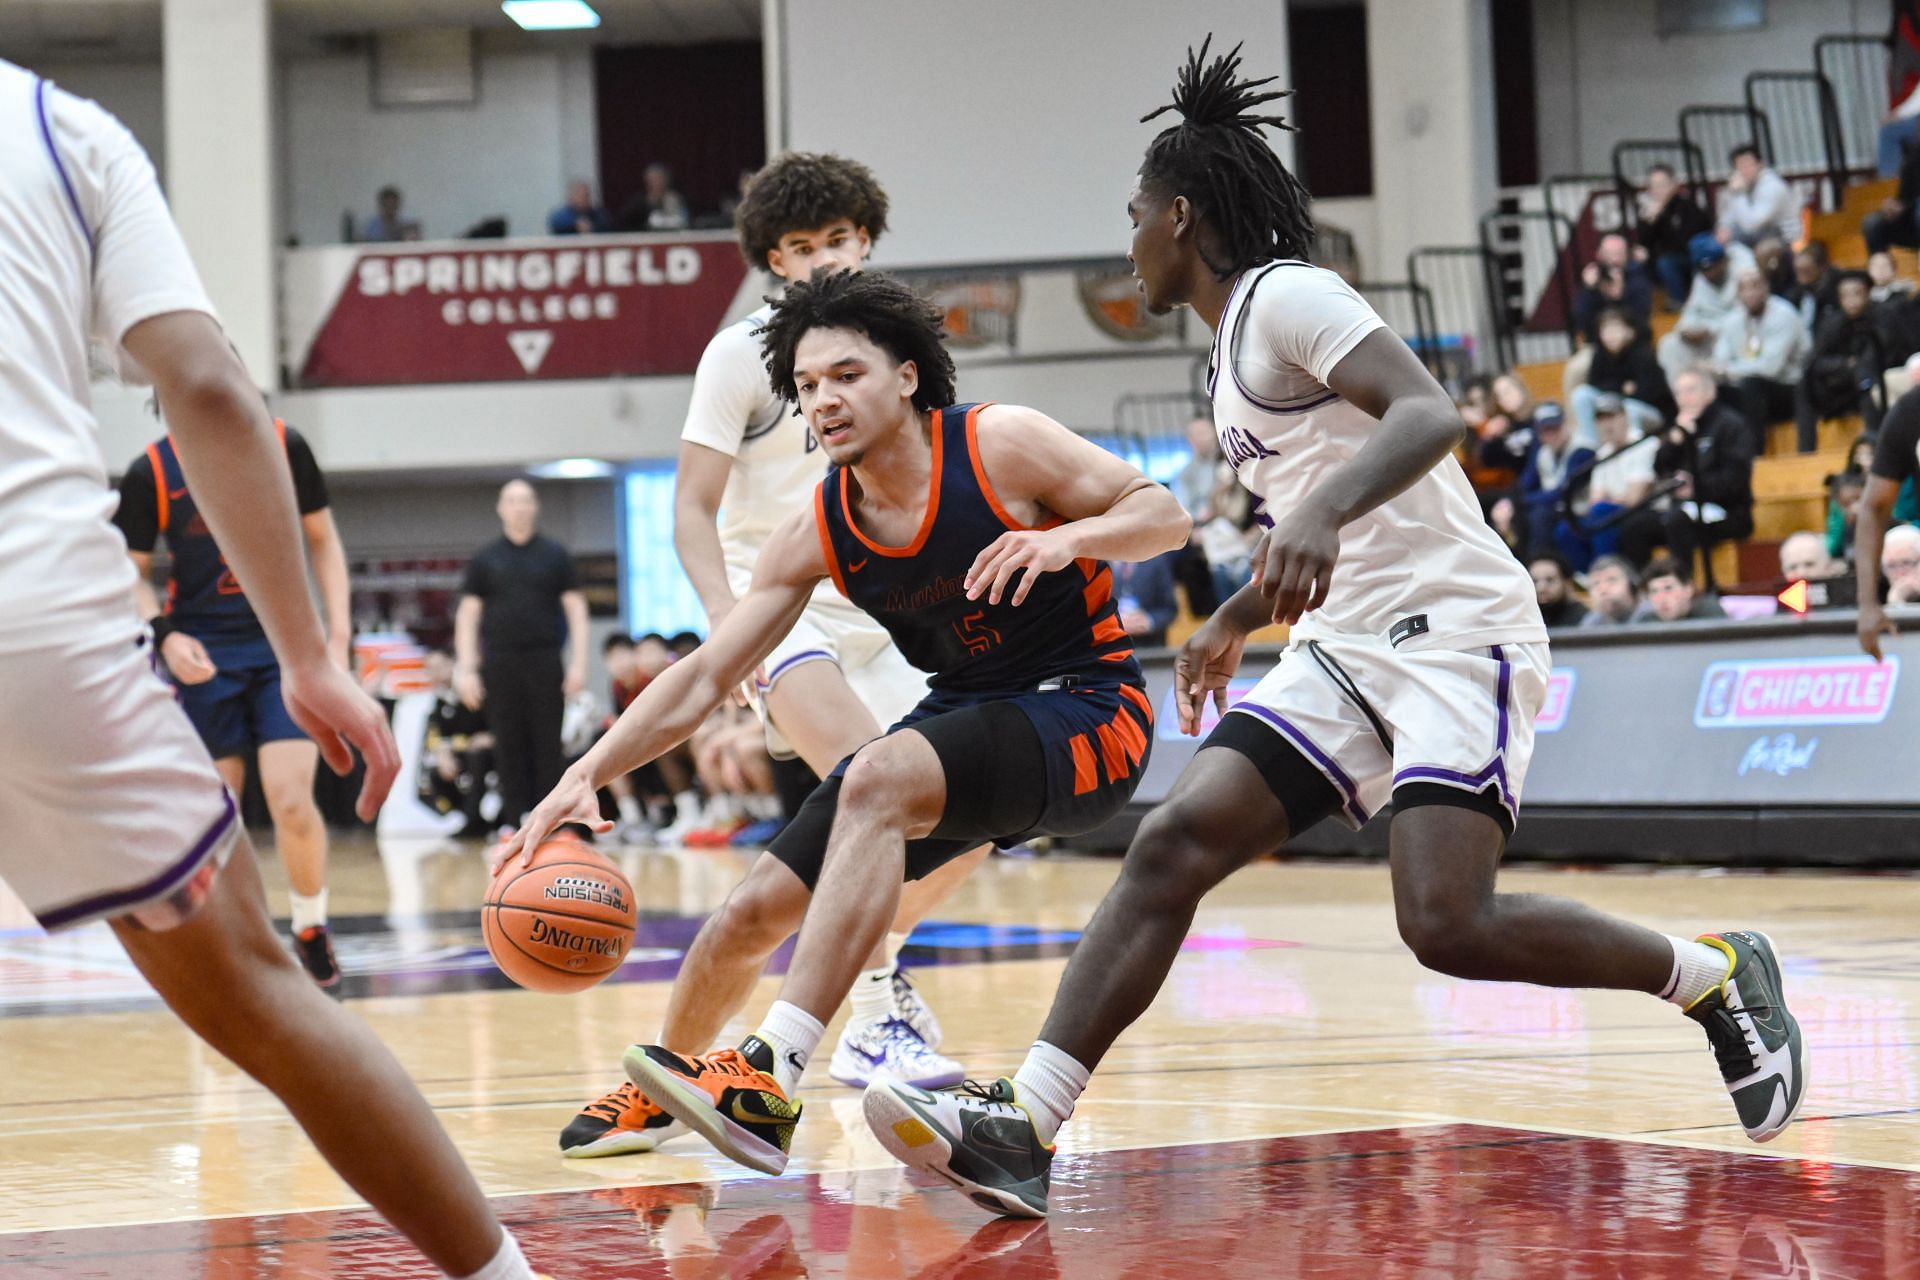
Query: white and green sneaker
point(978, 1137)
point(1756, 1041)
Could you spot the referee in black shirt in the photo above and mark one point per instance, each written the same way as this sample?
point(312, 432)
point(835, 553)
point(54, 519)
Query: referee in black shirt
point(519, 601)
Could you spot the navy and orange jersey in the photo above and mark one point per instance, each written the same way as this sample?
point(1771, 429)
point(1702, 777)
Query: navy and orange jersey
point(203, 599)
point(1067, 626)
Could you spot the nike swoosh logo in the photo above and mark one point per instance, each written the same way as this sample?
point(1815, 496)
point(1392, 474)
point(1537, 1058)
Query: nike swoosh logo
point(747, 1116)
point(857, 566)
point(176, 494)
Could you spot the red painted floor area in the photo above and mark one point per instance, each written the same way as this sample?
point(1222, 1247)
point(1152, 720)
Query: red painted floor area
point(1446, 1201)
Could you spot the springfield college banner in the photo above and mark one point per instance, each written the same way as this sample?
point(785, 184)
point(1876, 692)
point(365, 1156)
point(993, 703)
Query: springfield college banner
point(507, 310)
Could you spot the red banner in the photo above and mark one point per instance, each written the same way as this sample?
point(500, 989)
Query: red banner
point(590, 308)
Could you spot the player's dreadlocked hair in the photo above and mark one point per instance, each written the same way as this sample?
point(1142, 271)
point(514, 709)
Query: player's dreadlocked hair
point(1217, 158)
point(802, 190)
point(894, 317)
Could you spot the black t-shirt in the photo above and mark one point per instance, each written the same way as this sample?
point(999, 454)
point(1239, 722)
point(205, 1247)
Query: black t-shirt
point(1897, 456)
point(138, 516)
point(521, 585)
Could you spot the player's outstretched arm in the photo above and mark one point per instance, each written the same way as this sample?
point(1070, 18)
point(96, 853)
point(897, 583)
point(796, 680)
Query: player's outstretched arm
point(238, 473)
point(1419, 427)
point(1040, 468)
point(676, 703)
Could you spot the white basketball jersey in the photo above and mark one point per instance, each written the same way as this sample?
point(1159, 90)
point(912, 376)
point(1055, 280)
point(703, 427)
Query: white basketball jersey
point(1422, 570)
point(776, 464)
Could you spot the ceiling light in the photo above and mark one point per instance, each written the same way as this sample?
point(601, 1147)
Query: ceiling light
point(551, 15)
point(571, 469)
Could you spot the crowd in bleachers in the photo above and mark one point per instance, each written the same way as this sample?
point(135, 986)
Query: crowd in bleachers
point(657, 206)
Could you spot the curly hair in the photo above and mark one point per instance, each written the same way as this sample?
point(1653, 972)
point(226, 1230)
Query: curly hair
point(1217, 158)
point(802, 190)
point(892, 316)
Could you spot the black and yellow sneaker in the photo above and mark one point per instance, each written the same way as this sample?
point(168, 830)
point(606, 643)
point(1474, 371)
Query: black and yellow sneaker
point(978, 1137)
point(1754, 1038)
point(730, 1098)
point(622, 1122)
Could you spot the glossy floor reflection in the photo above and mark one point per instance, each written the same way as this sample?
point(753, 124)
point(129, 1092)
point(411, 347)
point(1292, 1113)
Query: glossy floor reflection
point(1441, 1201)
point(1303, 1099)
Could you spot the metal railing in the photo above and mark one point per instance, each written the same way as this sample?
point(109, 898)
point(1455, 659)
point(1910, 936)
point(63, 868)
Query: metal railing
point(1533, 281)
point(1461, 325)
point(1718, 128)
point(1806, 124)
point(1569, 195)
point(1404, 306)
point(1856, 68)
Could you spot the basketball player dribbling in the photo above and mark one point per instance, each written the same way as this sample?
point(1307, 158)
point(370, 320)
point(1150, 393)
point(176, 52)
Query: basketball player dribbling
point(976, 535)
point(1415, 667)
point(111, 807)
point(748, 464)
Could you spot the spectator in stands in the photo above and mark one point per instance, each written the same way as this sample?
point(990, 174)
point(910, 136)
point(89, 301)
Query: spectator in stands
point(1888, 283)
point(1803, 556)
point(1506, 438)
point(1714, 297)
point(456, 755)
point(1613, 584)
point(658, 206)
point(1552, 589)
point(1227, 540)
point(1620, 478)
point(730, 203)
point(1897, 131)
point(1848, 357)
point(1502, 518)
point(581, 215)
point(1843, 511)
point(1197, 480)
point(390, 223)
point(1625, 368)
point(1705, 465)
point(1759, 204)
point(1477, 411)
point(1144, 592)
point(1669, 220)
point(1900, 562)
point(1543, 482)
point(682, 643)
point(1761, 355)
point(1612, 280)
point(1816, 286)
point(1671, 595)
point(1894, 222)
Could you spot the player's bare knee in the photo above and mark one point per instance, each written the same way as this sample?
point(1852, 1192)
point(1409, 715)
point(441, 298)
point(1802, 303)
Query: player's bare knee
point(881, 781)
point(1445, 936)
point(1168, 863)
point(760, 913)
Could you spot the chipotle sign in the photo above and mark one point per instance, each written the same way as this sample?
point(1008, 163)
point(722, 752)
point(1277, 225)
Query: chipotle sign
point(586, 308)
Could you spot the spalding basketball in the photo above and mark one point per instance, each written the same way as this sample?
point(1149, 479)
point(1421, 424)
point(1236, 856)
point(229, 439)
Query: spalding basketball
point(562, 923)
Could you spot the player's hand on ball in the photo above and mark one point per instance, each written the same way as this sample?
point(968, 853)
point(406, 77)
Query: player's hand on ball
point(340, 718)
point(187, 659)
point(1293, 565)
point(1036, 551)
point(573, 800)
point(1204, 667)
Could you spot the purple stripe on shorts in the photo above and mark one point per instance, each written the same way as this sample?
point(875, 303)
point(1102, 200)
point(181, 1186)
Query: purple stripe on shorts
point(59, 167)
point(787, 664)
point(122, 901)
point(1500, 696)
point(1326, 763)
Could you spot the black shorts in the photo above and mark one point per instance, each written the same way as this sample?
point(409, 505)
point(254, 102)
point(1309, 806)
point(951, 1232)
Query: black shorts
point(1017, 765)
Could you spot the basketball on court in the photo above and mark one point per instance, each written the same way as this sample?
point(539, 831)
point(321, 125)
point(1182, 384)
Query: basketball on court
point(562, 923)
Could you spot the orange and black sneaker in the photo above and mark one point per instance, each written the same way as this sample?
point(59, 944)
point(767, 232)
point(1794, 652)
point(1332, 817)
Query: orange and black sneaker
point(314, 946)
point(622, 1122)
point(730, 1098)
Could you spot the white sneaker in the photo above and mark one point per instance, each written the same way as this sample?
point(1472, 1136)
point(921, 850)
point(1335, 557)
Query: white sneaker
point(890, 1050)
point(914, 1011)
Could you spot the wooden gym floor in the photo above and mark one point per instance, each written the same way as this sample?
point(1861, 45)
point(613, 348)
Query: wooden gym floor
point(1303, 1099)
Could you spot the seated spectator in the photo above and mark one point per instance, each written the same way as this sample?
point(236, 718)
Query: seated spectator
point(1506, 437)
point(1476, 411)
point(1815, 291)
point(658, 206)
point(1501, 518)
point(1227, 540)
point(1758, 202)
point(1195, 484)
point(1543, 482)
point(1552, 589)
point(1775, 261)
point(456, 755)
point(581, 215)
point(1619, 479)
point(736, 775)
point(1888, 283)
point(1613, 585)
point(1705, 467)
point(1843, 375)
point(1612, 280)
point(1761, 355)
point(730, 203)
point(389, 224)
point(1843, 512)
point(1671, 595)
point(1714, 297)
point(1625, 368)
point(1669, 220)
point(1894, 222)
point(1803, 557)
point(1146, 602)
point(1900, 562)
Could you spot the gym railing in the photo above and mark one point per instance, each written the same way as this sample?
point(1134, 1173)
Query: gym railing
point(1856, 68)
point(1716, 129)
point(1456, 289)
point(1806, 121)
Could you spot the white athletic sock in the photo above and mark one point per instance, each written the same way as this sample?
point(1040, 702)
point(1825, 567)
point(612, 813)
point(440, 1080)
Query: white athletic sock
point(1697, 969)
point(794, 1034)
point(308, 912)
point(1048, 1083)
point(630, 811)
point(872, 998)
point(508, 1264)
point(686, 808)
point(895, 941)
